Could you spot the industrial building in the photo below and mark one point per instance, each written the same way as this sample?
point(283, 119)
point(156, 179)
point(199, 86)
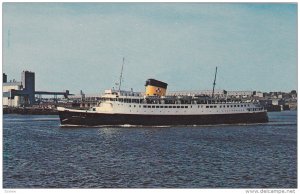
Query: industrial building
point(16, 94)
point(7, 87)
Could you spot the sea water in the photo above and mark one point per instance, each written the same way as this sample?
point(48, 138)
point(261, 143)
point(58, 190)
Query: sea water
point(38, 153)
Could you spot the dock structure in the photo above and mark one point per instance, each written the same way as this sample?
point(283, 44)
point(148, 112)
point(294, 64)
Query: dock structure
point(23, 93)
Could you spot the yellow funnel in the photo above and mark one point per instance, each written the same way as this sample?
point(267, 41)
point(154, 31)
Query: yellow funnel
point(155, 88)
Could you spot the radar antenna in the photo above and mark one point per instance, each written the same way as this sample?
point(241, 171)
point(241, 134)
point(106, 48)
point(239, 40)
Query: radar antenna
point(214, 84)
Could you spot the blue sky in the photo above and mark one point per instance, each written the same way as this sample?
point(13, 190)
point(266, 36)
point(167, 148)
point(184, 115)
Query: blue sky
point(80, 46)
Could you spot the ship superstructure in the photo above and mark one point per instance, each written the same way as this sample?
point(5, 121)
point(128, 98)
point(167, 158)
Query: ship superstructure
point(155, 107)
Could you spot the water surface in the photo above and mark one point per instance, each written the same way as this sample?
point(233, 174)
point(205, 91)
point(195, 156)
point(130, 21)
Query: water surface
point(38, 153)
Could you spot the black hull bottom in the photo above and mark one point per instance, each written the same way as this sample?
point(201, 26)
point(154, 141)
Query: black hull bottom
point(98, 119)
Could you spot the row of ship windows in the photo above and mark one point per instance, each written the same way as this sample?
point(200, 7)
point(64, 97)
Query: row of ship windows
point(254, 109)
point(214, 106)
point(236, 105)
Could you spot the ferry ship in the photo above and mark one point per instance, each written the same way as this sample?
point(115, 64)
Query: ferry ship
point(155, 107)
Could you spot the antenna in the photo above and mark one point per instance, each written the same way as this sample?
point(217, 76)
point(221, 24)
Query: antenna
point(214, 84)
point(120, 82)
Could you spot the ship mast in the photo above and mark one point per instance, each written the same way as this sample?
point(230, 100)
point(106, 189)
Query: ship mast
point(214, 84)
point(120, 82)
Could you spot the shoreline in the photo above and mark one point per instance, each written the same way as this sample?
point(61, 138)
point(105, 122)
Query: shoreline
point(30, 111)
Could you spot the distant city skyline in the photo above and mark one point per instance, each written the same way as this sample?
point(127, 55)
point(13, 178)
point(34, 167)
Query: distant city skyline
point(80, 46)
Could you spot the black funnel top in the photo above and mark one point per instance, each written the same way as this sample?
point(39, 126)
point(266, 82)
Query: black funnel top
point(154, 82)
